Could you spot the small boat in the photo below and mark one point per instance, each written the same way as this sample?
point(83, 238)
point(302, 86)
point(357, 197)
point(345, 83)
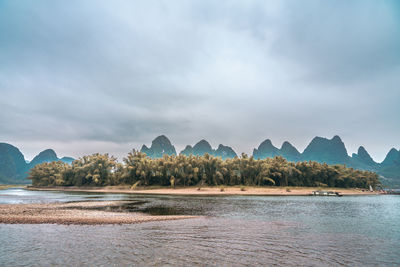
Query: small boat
point(392, 192)
point(326, 193)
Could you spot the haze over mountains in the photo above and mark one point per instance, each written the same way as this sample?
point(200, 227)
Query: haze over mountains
point(161, 145)
point(323, 150)
point(14, 168)
point(333, 151)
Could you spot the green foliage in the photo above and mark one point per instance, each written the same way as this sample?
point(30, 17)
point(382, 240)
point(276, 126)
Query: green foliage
point(94, 170)
point(49, 174)
point(137, 168)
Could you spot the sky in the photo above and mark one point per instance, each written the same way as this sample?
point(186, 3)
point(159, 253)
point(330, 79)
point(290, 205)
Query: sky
point(108, 76)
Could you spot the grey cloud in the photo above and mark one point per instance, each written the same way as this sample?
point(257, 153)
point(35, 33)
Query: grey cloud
point(110, 76)
point(340, 41)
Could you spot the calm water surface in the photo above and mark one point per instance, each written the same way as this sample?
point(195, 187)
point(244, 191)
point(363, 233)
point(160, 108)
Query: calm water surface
point(233, 231)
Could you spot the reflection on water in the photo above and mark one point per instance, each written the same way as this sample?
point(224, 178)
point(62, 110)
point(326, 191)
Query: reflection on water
point(20, 196)
point(234, 231)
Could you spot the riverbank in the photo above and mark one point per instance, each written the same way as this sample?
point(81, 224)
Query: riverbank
point(82, 213)
point(5, 186)
point(230, 190)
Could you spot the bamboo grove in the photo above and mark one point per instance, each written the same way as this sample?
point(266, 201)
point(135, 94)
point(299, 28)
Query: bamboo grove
point(138, 169)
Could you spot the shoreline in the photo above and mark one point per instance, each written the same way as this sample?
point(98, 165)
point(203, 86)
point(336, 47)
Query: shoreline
point(215, 191)
point(112, 212)
point(77, 213)
point(5, 186)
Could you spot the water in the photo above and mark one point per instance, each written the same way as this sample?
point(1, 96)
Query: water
point(23, 196)
point(232, 231)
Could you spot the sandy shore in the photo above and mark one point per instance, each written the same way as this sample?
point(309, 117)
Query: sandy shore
point(89, 213)
point(262, 191)
point(5, 186)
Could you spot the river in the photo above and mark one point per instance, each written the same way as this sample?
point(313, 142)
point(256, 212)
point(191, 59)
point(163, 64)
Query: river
point(231, 231)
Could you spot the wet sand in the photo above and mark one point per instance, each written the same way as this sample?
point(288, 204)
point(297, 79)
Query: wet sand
point(89, 213)
point(230, 190)
point(5, 186)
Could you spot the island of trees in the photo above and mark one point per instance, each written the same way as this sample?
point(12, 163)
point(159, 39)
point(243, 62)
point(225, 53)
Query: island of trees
point(170, 170)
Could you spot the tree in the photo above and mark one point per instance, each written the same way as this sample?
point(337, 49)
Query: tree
point(137, 168)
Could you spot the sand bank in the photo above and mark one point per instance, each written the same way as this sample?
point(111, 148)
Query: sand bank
point(262, 191)
point(89, 213)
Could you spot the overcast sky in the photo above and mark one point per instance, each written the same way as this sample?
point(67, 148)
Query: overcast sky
point(107, 76)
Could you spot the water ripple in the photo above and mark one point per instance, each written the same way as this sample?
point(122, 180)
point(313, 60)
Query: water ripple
point(235, 231)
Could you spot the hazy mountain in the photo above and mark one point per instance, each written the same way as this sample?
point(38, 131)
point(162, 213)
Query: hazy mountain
point(390, 169)
point(333, 151)
point(363, 156)
point(265, 150)
point(391, 158)
point(203, 147)
point(187, 151)
point(159, 146)
point(47, 155)
point(68, 160)
point(363, 160)
point(330, 151)
point(225, 152)
point(289, 152)
point(13, 166)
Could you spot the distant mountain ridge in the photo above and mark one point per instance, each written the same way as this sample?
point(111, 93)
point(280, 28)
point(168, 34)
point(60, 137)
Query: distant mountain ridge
point(203, 147)
point(320, 149)
point(12, 163)
point(267, 150)
point(14, 168)
point(362, 158)
point(330, 151)
point(333, 151)
point(159, 146)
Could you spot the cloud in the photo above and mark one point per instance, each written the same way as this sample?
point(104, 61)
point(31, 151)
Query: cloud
point(82, 75)
point(340, 42)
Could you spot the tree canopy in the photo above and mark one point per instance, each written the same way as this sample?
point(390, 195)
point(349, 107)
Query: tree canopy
point(171, 170)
